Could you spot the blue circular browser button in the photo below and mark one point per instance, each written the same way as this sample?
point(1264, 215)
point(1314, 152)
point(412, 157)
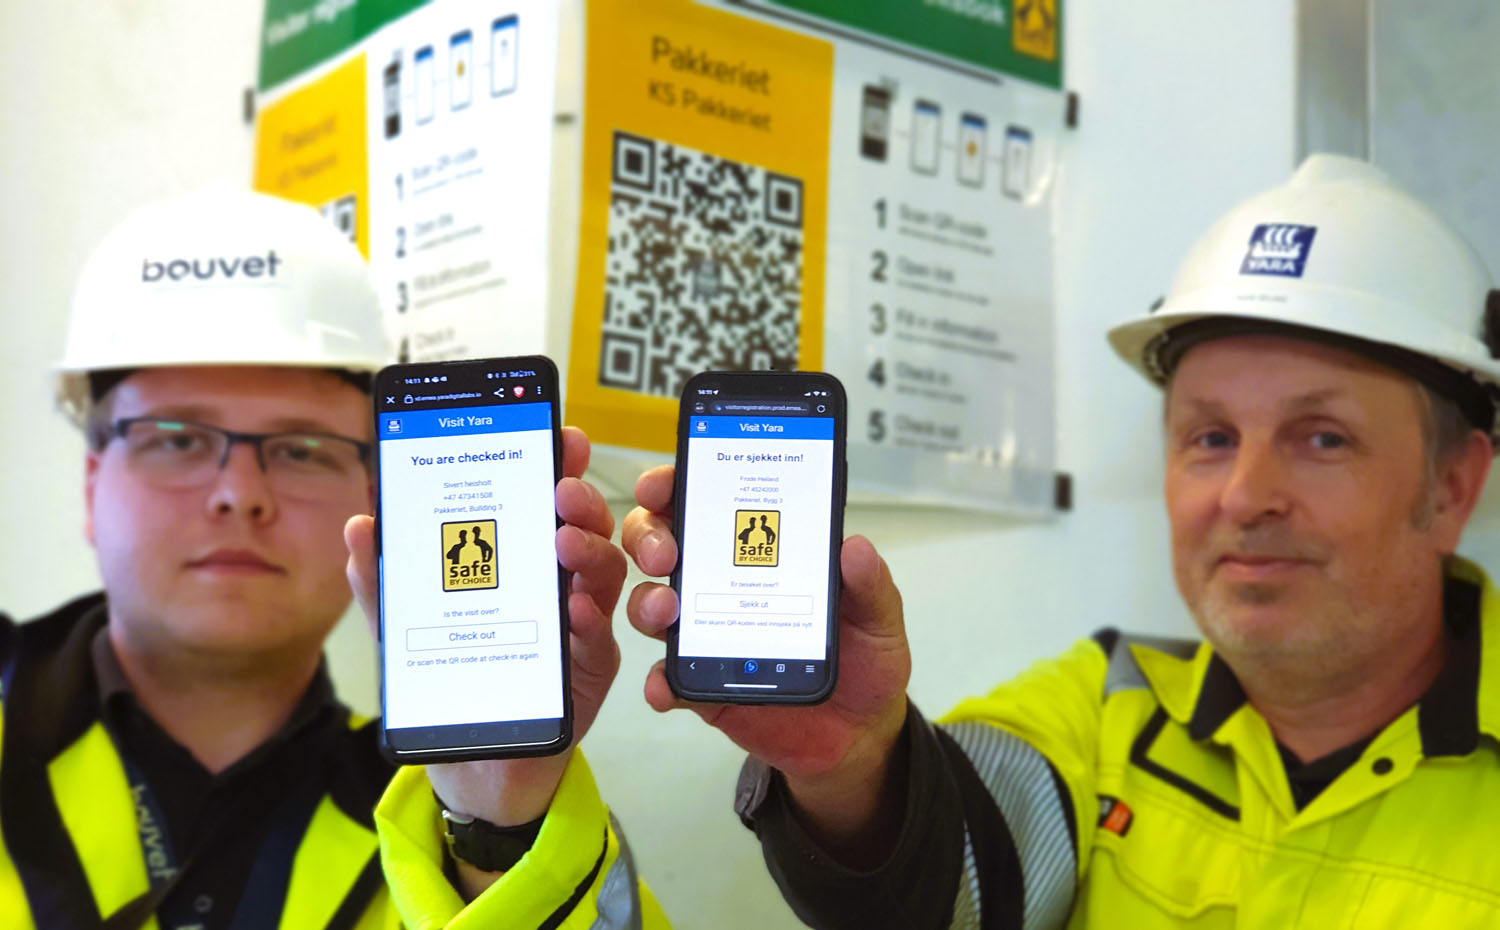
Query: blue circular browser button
point(751, 666)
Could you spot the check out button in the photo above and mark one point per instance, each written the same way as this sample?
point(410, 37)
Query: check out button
point(471, 635)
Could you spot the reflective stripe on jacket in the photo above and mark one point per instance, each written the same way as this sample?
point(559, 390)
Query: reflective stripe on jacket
point(1184, 814)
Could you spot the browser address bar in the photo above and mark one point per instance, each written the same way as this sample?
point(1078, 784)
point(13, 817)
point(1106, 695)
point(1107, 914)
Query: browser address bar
point(739, 406)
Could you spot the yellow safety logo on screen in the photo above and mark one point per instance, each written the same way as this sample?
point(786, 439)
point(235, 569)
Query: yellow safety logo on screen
point(469, 556)
point(757, 537)
point(1033, 28)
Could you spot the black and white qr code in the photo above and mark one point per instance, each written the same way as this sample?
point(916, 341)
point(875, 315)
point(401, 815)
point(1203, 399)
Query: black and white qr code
point(703, 269)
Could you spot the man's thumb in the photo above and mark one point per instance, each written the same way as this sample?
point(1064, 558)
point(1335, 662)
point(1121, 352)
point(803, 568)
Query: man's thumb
point(869, 599)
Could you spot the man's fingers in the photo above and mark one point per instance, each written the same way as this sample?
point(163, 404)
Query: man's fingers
point(652, 608)
point(869, 599)
point(575, 446)
point(359, 537)
point(581, 504)
point(647, 538)
point(653, 489)
point(598, 567)
point(594, 650)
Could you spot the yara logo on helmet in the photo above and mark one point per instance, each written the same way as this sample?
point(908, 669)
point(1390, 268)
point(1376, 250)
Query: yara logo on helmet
point(1278, 248)
point(211, 268)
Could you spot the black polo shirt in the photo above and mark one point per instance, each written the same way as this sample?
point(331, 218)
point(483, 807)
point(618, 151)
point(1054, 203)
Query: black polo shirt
point(189, 798)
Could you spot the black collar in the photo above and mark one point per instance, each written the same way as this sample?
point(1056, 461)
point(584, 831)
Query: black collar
point(116, 698)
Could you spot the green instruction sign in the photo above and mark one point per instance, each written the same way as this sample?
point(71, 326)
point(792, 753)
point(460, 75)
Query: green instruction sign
point(1021, 38)
point(300, 34)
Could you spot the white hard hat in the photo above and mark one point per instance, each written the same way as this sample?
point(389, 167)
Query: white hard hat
point(1343, 255)
point(222, 276)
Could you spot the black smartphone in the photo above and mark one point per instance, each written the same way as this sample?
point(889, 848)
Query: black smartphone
point(473, 603)
point(760, 490)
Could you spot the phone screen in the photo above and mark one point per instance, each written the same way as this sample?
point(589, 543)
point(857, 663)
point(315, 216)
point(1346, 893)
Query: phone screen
point(505, 34)
point(424, 83)
point(460, 69)
point(926, 123)
point(760, 503)
point(971, 138)
point(473, 627)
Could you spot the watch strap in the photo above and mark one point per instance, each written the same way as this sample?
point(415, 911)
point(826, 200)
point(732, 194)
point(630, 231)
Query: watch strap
point(484, 845)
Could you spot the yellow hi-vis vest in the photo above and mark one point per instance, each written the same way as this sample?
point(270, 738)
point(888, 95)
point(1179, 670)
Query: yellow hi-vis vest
point(73, 857)
point(1184, 814)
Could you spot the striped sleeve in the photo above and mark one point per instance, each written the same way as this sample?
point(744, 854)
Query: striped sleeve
point(1012, 798)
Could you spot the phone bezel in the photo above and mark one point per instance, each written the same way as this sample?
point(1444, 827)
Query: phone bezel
point(766, 384)
point(547, 372)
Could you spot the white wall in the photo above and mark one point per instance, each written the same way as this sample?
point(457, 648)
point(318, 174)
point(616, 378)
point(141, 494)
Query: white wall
point(1186, 108)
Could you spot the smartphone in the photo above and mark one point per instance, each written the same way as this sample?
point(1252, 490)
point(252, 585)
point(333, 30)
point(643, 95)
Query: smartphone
point(874, 122)
point(505, 35)
point(424, 84)
point(391, 82)
point(1017, 164)
point(460, 68)
point(971, 133)
point(926, 120)
point(473, 604)
point(760, 492)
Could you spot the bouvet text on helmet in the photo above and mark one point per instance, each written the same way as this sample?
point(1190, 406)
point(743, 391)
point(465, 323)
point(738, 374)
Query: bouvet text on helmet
point(222, 276)
point(1337, 254)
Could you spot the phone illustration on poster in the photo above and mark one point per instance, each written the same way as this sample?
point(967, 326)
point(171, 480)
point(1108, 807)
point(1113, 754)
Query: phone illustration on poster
point(926, 127)
point(971, 133)
point(460, 69)
point(425, 89)
point(505, 38)
point(391, 95)
point(1017, 163)
point(875, 122)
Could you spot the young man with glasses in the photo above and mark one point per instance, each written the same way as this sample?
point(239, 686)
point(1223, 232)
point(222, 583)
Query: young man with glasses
point(173, 754)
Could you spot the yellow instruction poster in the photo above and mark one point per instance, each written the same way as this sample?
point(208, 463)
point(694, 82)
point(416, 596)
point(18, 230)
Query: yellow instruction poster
point(310, 147)
point(705, 160)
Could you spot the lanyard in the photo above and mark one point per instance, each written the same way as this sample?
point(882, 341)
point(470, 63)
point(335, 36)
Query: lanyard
point(151, 826)
point(264, 892)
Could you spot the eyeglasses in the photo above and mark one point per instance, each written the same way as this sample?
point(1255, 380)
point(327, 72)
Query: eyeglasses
point(178, 454)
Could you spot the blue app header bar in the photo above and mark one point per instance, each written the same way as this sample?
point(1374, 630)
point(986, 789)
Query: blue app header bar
point(761, 427)
point(463, 421)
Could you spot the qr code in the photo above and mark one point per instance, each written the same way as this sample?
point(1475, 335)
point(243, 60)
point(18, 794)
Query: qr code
point(703, 268)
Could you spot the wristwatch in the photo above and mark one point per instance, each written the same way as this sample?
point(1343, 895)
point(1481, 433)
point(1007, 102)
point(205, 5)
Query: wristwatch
point(485, 846)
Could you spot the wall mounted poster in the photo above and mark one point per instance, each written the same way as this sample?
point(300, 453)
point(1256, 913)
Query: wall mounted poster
point(859, 188)
point(702, 226)
point(715, 135)
point(424, 129)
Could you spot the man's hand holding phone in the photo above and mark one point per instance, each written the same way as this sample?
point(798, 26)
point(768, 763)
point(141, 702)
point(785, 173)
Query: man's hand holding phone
point(514, 791)
point(835, 755)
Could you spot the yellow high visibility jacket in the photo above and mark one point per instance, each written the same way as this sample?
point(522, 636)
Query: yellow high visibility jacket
point(1185, 818)
point(1129, 784)
point(73, 856)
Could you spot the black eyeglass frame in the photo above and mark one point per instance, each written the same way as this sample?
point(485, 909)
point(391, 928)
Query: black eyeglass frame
point(255, 440)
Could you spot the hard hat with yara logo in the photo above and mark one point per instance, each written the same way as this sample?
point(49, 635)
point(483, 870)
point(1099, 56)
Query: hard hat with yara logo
point(222, 276)
point(1340, 255)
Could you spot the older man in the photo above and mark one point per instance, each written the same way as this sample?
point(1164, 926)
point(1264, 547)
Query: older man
point(1327, 757)
point(173, 753)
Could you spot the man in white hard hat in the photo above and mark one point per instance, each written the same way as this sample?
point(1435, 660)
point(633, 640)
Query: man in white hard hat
point(1327, 757)
point(173, 754)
